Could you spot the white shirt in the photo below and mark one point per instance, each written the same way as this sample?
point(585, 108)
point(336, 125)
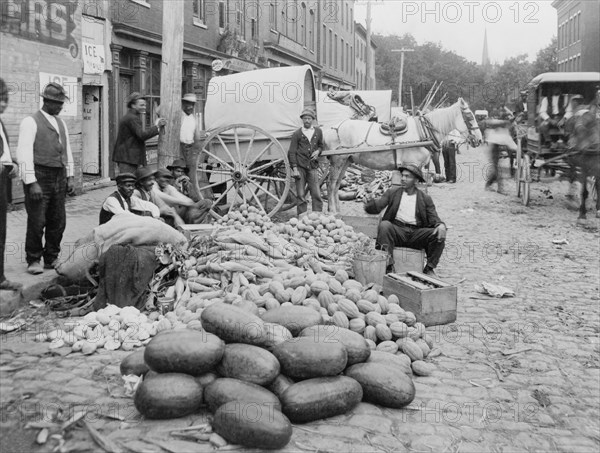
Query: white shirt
point(111, 204)
point(6, 157)
point(27, 132)
point(555, 107)
point(188, 129)
point(308, 133)
point(407, 209)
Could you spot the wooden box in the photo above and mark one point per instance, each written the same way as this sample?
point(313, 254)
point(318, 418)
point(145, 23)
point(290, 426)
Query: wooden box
point(366, 224)
point(407, 260)
point(431, 300)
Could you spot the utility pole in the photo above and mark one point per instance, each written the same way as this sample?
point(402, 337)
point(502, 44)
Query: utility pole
point(170, 81)
point(402, 51)
point(368, 50)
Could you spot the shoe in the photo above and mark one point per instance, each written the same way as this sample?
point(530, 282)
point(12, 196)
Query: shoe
point(35, 268)
point(7, 285)
point(51, 265)
point(429, 271)
point(452, 181)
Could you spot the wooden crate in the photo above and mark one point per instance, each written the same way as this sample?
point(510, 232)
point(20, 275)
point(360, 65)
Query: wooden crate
point(431, 306)
point(366, 224)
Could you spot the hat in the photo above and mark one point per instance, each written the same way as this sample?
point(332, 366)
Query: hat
point(133, 97)
point(577, 97)
point(54, 92)
point(143, 173)
point(413, 169)
point(163, 172)
point(190, 97)
point(125, 177)
point(179, 163)
point(308, 112)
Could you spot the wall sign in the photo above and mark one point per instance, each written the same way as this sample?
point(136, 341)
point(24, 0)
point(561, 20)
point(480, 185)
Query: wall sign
point(93, 58)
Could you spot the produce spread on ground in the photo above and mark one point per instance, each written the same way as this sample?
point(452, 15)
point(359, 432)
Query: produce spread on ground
point(360, 181)
point(262, 325)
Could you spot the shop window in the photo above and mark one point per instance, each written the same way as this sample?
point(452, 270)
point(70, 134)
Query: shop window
point(152, 89)
point(199, 11)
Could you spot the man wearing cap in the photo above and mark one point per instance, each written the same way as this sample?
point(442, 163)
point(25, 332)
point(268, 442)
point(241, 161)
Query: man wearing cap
point(122, 201)
point(146, 189)
point(130, 148)
point(305, 147)
point(46, 163)
point(190, 211)
point(449, 149)
point(182, 183)
point(8, 169)
point(410, 219)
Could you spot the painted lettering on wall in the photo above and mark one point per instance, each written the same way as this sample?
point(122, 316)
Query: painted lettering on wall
point(48, 21)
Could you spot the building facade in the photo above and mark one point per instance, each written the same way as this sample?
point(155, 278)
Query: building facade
point(363, 80)
point(578, 35)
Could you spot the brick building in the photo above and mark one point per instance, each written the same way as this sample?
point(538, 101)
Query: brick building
point(363, 80)
point(578, 35)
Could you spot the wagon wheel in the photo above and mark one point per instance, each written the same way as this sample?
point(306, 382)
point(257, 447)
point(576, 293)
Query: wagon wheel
point(525, 179)
point(246, 157)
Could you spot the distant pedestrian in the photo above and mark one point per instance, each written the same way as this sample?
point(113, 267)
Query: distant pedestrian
point(306, 146)
point(46, 163)
point(449, 150)
point(8, 169)
point(187, 132)
point(130, 148)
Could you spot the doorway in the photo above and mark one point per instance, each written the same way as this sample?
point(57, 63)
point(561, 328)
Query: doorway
point(91, 130)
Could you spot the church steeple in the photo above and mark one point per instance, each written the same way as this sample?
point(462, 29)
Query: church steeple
point(485, 59)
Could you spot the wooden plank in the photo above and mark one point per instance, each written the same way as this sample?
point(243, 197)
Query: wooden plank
point(374, 149)
point(433, 281)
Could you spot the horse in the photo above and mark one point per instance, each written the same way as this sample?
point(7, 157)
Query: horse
point(584, 152)
point(351, 134)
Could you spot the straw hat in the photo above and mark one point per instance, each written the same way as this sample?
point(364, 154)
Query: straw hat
point(190, 97)
point(414, 170)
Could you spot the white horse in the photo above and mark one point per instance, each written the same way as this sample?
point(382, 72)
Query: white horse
point(359, 134)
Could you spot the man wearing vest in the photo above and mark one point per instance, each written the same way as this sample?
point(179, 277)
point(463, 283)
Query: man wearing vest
point(46, 163)
point(122, 201)
point(8, 169)
point(554, 111)
point(305, 147)
point(410, 220)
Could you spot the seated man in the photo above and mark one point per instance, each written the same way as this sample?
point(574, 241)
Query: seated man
point(180, 171)
point(121, 201)
point(410, 220)
point(186, 208)
point(554, 111)
point(145, 189)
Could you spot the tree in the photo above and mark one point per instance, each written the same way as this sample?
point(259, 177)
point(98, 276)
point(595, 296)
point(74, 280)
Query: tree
point(546, 59)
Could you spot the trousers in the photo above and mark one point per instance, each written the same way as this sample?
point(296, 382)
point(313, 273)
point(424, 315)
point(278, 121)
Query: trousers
point(494, 173)
point(394, 234)
point(449, 154)
point(310, 177)
point(435, 157)
point(46, 217)
point(4, 182)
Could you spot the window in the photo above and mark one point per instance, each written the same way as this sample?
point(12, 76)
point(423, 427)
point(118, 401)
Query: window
point(324, 46)
point(303, 23)
point(283, 25)
point(311, 30)
point(253, 29)
point(352, 59)
point(577, 27)
point(240, 20)
point(273, 16)
point(199, 11)
point(342, 56)
point(342, 5)
point(351, 20)
point(223, 13)
point(331, 63)
point(293, 25)
point(335, 52)
point(347, 17)
point(152, 90)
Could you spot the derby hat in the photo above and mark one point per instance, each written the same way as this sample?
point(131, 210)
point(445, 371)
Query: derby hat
point(414, 170)
point(179, 163)
point(133, 97)
point(189, 97)
point(55, 92)
point(143, 173)
point(164, 173)
point(308, 112)
point(125, 177)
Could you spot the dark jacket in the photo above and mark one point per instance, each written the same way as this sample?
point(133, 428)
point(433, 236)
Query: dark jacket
point(301, 149)
point(130, 146)
point(4, 179)
point(425, 214)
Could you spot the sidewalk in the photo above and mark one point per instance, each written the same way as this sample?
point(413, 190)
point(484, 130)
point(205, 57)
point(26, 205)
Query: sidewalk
point(82, 216)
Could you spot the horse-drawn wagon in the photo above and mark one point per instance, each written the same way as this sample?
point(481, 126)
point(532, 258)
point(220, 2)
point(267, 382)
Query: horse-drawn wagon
point(551, 145)
point(250, 118)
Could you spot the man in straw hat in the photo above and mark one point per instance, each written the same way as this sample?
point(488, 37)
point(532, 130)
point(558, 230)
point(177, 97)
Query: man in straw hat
point(305, 147)
point(46, 162)
point(130, 148)
point(410, 219)
point(188, 123)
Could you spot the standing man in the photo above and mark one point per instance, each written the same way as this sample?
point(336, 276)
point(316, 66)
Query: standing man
point(130, 148)
point(188, 124)
point(306, 146)
point(449, 148)
point(46, 162)
point(8, 169)
point(410, 220)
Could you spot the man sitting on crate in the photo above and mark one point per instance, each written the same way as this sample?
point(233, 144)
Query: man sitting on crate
point(410, 220)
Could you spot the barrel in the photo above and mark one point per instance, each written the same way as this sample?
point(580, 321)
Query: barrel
point(370, 268)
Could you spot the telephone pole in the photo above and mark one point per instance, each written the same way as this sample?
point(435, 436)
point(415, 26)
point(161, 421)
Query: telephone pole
point(170, 81)
point(402, 51)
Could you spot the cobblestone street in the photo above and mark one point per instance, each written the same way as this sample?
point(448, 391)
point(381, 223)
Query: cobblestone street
point(515, 374)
